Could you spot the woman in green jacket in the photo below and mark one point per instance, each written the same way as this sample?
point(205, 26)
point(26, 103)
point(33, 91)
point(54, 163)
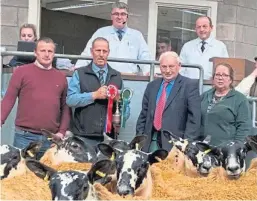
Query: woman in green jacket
point(225, 112)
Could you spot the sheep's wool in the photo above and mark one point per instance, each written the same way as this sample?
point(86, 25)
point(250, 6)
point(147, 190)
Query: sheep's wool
point(171, 184)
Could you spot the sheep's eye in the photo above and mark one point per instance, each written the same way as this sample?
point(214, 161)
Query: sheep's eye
point(75, 146)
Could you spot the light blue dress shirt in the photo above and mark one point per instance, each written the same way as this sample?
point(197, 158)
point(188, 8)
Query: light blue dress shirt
point(132, 46)
point(168, 90)
point(74, 96)
point(123, 30)
point(191, 54)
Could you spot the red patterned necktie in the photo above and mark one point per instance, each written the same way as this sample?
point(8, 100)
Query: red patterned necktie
point(159, 108)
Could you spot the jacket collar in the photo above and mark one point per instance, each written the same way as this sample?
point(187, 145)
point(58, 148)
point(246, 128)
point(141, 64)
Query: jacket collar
point(89, 70)
point(210, 93)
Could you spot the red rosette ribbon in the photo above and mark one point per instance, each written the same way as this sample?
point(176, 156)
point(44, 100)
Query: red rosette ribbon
point(112, 92)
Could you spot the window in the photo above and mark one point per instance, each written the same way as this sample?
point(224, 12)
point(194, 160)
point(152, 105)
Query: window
point(172, 23)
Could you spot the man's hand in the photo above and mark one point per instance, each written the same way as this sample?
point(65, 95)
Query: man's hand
point(101, 93)
point(59, 136)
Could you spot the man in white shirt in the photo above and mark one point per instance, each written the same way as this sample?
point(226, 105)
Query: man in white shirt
point(200, 50)
point(124, 42)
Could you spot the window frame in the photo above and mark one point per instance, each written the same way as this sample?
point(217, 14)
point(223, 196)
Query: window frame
point(211, 8)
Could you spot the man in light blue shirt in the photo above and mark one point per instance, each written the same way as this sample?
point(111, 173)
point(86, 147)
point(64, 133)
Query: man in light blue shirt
point(87, 94)
point(200, 50)
point(124, 42)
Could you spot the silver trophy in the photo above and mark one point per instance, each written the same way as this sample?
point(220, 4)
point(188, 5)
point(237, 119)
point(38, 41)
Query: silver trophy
point(116, 116)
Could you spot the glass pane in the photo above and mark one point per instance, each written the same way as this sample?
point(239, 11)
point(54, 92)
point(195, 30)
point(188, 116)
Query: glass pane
point(175, 26)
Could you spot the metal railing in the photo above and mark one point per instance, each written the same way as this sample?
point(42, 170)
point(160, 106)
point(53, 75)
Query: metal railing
point(152, 67)
point(151, 63)
point(253, 100)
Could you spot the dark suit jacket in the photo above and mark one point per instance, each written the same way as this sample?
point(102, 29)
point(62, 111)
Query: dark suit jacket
point(182, 113)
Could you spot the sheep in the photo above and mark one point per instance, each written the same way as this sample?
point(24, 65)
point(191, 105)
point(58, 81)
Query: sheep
point(13, 159)
point(199, 157)
point(72, 149)
point(75, 184)
point(132, 168)
point(168, 184)
point(232, 155)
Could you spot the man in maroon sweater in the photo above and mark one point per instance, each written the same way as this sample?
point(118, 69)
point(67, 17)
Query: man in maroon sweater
point(41, 91)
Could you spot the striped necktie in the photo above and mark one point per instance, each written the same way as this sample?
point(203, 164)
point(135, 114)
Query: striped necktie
point(160, 108)
point(202, 47)
point(101, 77)
point(119, 32)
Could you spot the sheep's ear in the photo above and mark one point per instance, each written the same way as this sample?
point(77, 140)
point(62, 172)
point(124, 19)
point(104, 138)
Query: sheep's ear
point(107, 150)
point(138, 142)
point(203, 147)
point(42, 171)
point(178, 142)
point(170, 136)
point(157, 156)
point(251, 142)
point(100, 171)
point(31, 150)
point(207, 140)
point(107, 138)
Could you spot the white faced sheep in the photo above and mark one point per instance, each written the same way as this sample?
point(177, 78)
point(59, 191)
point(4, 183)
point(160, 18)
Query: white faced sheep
point(13, 159)
point(45, 183)
point(132, 168)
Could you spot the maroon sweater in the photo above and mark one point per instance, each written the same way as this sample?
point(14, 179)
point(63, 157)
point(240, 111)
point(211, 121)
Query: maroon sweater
point(42, 99)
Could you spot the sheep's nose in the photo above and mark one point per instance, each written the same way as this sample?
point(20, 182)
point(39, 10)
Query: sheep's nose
point(206, 167)
point(125, 190)
point(233, 168)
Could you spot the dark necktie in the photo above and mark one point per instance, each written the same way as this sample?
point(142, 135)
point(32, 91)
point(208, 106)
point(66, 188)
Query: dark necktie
point(119, 32)
point(101, 77)
point(160, 108)
point(202, 47)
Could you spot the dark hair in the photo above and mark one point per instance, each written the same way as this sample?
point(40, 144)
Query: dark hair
point(210, 21)
point(100, 38)
point(230, 70)
point(46, 40)
point(29, 26)
point(165, 40)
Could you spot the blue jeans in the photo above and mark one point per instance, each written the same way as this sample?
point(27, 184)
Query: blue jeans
point(23, 138)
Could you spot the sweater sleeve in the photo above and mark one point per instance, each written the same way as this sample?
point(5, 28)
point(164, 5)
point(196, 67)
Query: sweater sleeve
point(65, 111)
point(243, 121)
point(11, 94)
point(245, 85)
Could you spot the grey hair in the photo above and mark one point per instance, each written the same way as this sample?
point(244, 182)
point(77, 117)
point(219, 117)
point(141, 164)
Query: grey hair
point(98, 39)
point(170, 54)
point(120, 5)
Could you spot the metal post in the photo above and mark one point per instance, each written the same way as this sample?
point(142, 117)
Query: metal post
point(254, 113)
point(152, 66)
point(201, 80)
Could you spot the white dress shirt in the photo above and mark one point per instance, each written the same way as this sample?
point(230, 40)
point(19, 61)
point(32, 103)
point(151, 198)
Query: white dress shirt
point(132, 46)
point(245, 85)
point(191, 54)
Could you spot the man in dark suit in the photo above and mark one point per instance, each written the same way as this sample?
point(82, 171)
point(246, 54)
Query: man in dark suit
point(169, 103)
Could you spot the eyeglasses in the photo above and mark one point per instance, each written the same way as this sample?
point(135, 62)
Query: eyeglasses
point(120, 14)
point(217, 75)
